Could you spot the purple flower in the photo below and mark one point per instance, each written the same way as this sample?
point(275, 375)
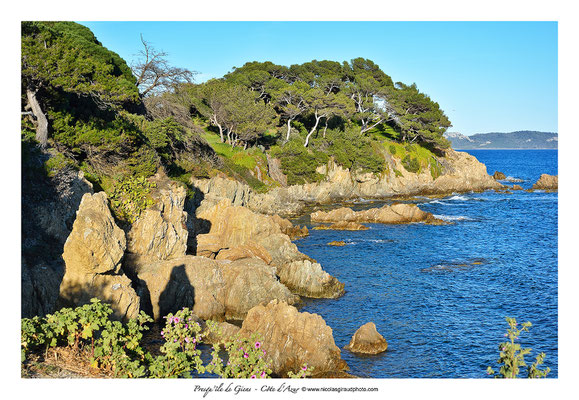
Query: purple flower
point(245, 355)
point(186, 326)
point(305, 368)
point(263, 374)
point(257, 345)
point(176, 320)
point(175, 340)
point(186, 340)
point(194, 340)
point(169, 319)
point(253, 376)
point(163, 333)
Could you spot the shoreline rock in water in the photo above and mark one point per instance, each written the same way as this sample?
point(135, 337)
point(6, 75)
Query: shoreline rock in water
point(233, 227)
point(547, 182)
point(394, 214)
point(292, 338)
point(343, 226)
point(367, 340)
point(462, 172)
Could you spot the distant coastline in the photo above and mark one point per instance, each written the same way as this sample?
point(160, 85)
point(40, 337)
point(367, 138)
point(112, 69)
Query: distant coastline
point(520, 140)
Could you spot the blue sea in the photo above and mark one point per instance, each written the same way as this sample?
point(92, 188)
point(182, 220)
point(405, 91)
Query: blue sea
point(440, 294)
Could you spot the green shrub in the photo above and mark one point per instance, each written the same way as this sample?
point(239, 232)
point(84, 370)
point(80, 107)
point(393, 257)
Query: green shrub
point(116, 348)
point(512, 355)
point(299, 163)
point(130, 196)
point(411, 164)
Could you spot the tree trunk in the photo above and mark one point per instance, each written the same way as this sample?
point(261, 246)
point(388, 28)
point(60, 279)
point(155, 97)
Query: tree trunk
point(312, 131)
point(325, 128)
point(288, 130)
point(41, 120)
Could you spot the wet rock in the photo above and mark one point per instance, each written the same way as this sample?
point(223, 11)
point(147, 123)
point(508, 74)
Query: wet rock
point(337, 243)
point(367, 340)
point(291, 338)
point(517, 187)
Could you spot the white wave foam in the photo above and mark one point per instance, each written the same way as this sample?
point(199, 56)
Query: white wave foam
point(451, 218)
point(458, 197)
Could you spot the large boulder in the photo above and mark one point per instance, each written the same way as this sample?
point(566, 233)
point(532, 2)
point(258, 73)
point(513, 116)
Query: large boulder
point(394, 214)
point(499, 176)
point(213, 289)
point(235, 231)
point(92, 255)
point(343, 226)
point(160, 233)
point(547, 182)
point(367, 340)
point(292, 338)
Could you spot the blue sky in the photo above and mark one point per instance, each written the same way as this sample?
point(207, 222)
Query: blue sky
point(487, 76)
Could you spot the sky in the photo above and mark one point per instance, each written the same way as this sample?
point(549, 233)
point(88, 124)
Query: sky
point(487, 76)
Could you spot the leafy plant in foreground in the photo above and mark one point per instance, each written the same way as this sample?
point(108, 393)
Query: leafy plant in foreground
point(512, 355)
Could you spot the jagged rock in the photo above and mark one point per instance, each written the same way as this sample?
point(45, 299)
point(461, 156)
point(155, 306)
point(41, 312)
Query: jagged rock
point(92, 255)
point(343, 226)
point(337, 243)
point(394, 214)
point(49, 208)
point(461, 172)
point(367, 340)
point(308, 279)
point(547, 182)
point(292, 338)
point(517, 187)
point(160, 232)
point(499, 176)
point(213, 289)
point(249, 250)
point(274, 170)
point(289, 229)
point(232, 227)
point(96, 244)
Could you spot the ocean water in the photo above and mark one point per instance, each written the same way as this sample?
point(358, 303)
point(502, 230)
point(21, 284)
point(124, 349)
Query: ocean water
point(440, 294)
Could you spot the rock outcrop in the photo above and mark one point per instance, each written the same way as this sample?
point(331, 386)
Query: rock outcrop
point(337, 243)
point(292, 338)
point(461, 172)
point(547, 182)
point(233, 229)
point(48, 212)
point(499, 176)
point(92, 255)
point(343, 226)
point(367, 340)
point(394, 214)
point(213, 289)
point(160, 233)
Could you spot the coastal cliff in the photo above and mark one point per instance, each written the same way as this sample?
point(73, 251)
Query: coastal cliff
point(461, 173)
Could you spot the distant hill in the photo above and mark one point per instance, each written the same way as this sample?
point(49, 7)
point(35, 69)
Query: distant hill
point(501, 140)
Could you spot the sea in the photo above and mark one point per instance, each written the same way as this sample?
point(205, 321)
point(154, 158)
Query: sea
point(439, 294)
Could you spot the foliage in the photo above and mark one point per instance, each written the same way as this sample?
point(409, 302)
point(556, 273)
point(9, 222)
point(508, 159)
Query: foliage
point(351, 151)
point(130, 196)
point(67, 56)
point(246, 358)
point(411, 164)
point(299, 163)
point(116, 348)
point(512, 355)
point(304, 372)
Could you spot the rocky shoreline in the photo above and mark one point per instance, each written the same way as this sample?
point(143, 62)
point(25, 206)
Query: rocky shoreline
point(227, 255)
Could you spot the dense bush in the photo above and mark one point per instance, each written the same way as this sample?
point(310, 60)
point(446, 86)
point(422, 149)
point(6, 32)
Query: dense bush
point(130, 196)
point(116, 348)
point(299, 163)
